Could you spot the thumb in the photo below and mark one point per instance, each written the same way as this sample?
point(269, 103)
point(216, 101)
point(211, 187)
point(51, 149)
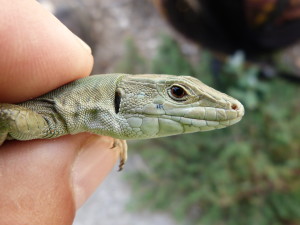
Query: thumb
point(41, 54)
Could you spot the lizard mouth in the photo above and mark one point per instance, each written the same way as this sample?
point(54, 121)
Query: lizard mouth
point(226, 116)
point(203, 125)
point(181, 120)
point(209, 119)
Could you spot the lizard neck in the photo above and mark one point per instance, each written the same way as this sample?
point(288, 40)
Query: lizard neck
point(93, 111)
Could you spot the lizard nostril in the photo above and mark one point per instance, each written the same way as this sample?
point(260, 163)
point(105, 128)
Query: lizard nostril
point(234, 107)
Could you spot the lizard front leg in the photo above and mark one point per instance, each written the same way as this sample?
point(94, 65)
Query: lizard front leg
point(122, 145)
point(17, 122)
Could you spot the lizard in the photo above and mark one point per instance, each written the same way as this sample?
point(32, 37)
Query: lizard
point(122, 106)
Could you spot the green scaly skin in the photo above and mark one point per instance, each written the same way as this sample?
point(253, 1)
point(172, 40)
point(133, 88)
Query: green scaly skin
point(122, 106)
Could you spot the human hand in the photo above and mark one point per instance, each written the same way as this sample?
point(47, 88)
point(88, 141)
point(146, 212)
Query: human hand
point(44, 181)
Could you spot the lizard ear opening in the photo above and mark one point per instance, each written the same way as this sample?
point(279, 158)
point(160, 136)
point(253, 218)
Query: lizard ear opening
point(117, 101)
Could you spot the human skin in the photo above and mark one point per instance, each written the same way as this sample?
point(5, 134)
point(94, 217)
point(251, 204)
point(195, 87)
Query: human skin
point(45, 181)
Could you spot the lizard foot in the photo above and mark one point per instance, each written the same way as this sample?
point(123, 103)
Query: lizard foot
point(2, 138)
point(122, 144)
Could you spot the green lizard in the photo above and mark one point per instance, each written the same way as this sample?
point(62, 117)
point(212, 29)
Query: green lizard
point(121, 106)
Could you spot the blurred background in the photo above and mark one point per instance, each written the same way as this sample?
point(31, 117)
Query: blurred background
point(245, 174)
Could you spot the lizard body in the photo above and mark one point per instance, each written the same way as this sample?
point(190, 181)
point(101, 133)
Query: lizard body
point(122, 106)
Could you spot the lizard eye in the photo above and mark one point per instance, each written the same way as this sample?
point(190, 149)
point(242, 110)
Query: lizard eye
point(177, 93)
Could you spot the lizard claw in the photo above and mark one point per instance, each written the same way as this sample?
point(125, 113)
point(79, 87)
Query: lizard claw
point(122, 144)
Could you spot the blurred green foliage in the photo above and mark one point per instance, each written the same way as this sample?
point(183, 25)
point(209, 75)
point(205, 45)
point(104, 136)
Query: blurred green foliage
point(133, 63)
point(169, 59)
point(242, 175)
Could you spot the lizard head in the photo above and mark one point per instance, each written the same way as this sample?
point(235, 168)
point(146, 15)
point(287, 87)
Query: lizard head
point(163, 105)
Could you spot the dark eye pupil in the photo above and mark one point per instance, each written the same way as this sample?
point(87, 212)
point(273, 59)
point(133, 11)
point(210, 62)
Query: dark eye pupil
point(177, 92)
